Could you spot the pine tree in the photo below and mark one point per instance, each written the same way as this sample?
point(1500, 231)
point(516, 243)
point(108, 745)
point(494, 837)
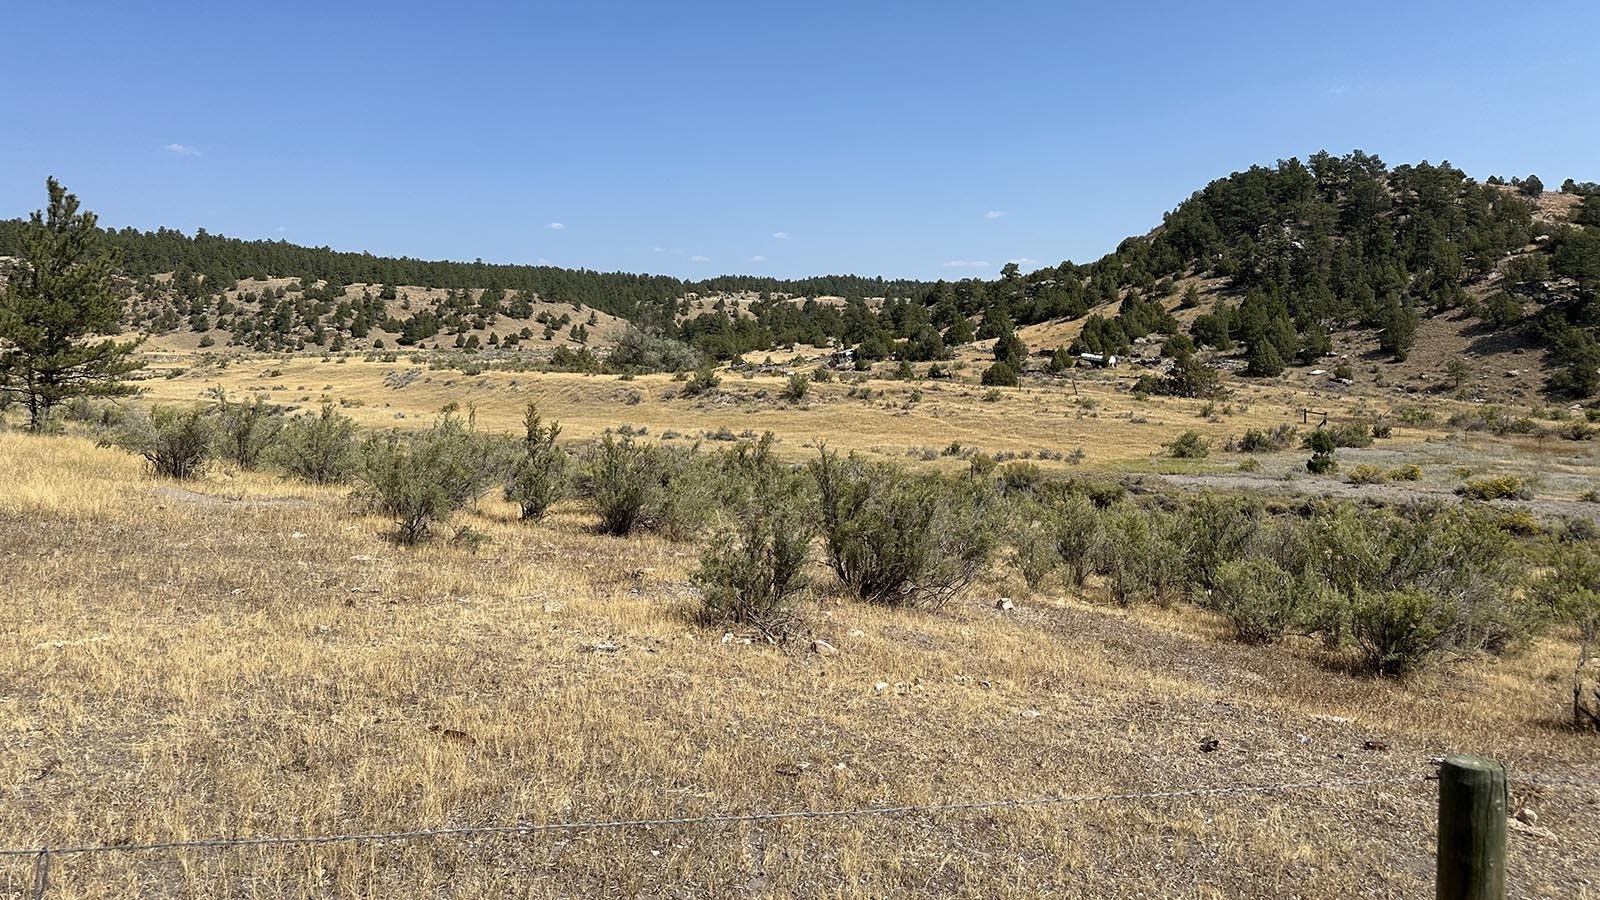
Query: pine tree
point(61, 294)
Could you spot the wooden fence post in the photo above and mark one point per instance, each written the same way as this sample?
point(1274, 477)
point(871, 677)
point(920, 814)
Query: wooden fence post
point(1472, 829)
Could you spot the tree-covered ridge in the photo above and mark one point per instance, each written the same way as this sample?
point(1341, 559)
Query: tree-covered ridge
point(1307, 249)
point(1273, 261)
point(219, 260)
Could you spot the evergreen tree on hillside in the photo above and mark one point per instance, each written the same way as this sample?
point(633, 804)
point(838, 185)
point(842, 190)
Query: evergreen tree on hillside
point(61, 294)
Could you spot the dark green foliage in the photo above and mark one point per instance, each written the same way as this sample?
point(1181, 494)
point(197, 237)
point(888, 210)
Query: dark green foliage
point(60, 294)
point(539, 476)
point(900, 539)
point(319, 447)
point(1000, 375)
point(1321, 445)
point(1010, 349)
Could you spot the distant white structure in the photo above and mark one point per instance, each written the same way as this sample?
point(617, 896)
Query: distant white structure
point(1099, 359)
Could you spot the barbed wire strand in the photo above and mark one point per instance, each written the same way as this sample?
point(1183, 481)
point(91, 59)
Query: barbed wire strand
point(714, 818)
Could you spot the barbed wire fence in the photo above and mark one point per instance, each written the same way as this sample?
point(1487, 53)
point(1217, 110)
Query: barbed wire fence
point(43, 855)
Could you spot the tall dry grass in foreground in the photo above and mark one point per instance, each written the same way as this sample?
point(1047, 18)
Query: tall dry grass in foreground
point(245, 656)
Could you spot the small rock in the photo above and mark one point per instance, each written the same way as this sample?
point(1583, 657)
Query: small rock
point(1030, 714)
point(823, 648)
point(727, 637)
point(1527, 816)
point(1376, 746)
point(1210, 745)
point(856, 632)
point(297, 534)
point(881, 686)
point(1004, 603)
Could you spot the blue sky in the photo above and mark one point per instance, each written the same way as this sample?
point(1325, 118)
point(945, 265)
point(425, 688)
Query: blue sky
point(905, 139)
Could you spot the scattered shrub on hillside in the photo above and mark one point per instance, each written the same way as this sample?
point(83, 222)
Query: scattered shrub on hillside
point(539, 476)
point(638, 351)
point(703, 381)
point(1407, 472)
point(422, 480)
point(175, 442)
point(798, 386)
point(1497, 487)
point(1001, 374)
point(1322, 446)
point(1350, 434)
point(1570, 592)
point(319, 447)
point(1366, 473)
point(901, 539)
point(1271, 440)
point(1020, 478)
point(1189, 445)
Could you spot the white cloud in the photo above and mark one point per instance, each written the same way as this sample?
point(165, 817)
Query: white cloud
point(966, 264)
point(1022, 261)
point(1340, 90)
point(555, 226)
point(780, 235)
point(698, 258)
point(280, 229)
point(181, 150)
point(758, 258)
point(658, 249)
point(994, 214)
point(545, 262)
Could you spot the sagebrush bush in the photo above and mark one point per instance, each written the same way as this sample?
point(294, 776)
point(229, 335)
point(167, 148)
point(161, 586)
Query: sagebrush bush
point(901, 539)
point(175, 442)
point(1078, 535)
point(798, 386)
point(1497, 487)
point(1260, 598)
point(422, 480)
point(539, 477)
point(1189, 445)
point(703, 381)
point(751, 572)
point(1140, 556)
point(623, 483)
point(1032, 534)
point(319, 447)
point(246, 431)
point(1398, 631)
point(1255, 440)
point(1366, 473)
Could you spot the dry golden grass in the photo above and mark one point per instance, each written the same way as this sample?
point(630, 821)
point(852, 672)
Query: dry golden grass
point(246, 656)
